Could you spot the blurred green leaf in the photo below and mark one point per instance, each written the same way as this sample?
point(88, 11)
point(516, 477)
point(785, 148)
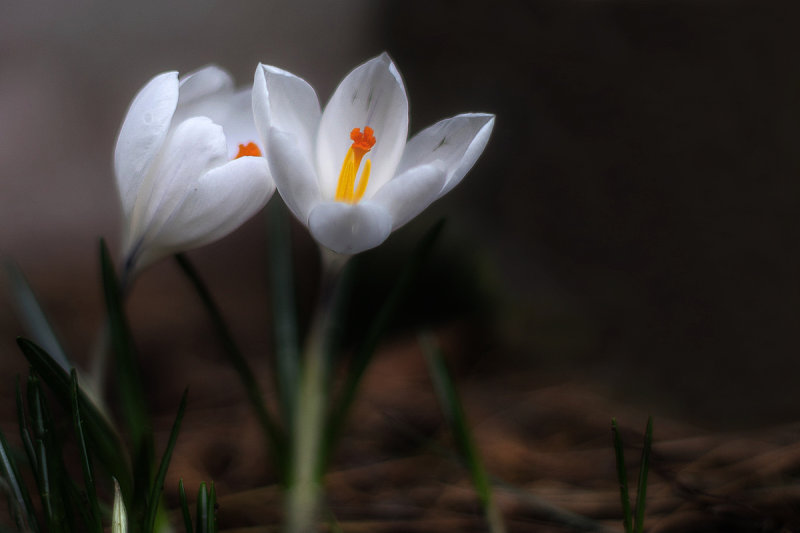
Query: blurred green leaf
point(211, 510)
point(103, 438)
point(47, 448)
point(19, 498)
point(622, 476)
point(284, 312)
point(633, 522)
point(187, 517)
point(95, 520)
point(644, 468)
point(33, 317)
point(157, 486)
point(202, 509)
point(453, 410)
point(24, 430)
point(366, 349)
point(275, 438)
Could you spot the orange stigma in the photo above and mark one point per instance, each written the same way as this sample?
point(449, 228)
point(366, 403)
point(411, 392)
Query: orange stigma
point(249, 149)
point(346, 190)
point(363, 142)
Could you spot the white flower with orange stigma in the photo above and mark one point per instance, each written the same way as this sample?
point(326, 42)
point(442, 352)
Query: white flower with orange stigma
point(187, 169)
point(348, 172)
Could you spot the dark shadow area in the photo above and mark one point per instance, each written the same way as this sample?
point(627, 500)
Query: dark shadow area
point(641, 187)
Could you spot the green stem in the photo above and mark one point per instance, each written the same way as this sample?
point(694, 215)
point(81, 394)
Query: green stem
point(95, 383)
point(304, 493)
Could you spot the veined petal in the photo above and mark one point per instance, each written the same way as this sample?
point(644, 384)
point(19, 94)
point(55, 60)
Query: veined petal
point(371, 95)
point(203, 83)
point(192, 148)
point(455, 142)
point(349, 228)
point(408, 194)
point(293, 174)
point(286, 102)
point(143, 132)
point(217, 203)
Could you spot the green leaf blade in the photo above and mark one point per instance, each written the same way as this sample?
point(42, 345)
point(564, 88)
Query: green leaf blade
point(452, 407)
point(202, 509)
point(95, 520)
point(187, 517)
point(644, 468)
point(22, 508)
point(103, 438)
point(275, 437)
point(284, 312)
point(157, 486)
point(622, 476)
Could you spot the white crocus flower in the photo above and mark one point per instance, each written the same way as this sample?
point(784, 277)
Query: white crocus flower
point(315, 156)
point(187, 170)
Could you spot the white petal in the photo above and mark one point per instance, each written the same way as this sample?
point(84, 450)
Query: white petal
point(209, 92)
point(456, 143)
point(371, 95)
point(349, 229)
point(192, 148)
point(203, 83)
point(282, 100)
point(293, 174)
point(237, 122)
point(143, 132)
point(216, 204)
point(408, 194)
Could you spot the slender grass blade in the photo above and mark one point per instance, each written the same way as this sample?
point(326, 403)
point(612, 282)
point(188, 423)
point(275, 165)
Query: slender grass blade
point(21, 507)
point(202, 509)
point(187, 517)
point(86, 463)
point(453, 410)
point(275, 437)
point(103, 438)
point(25, 430)
point(54, 481)
point(622, 476)
point(211, 511)
point(157, 487)
point(641, 489)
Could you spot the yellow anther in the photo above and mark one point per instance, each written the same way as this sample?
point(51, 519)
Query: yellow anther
point(362, 183)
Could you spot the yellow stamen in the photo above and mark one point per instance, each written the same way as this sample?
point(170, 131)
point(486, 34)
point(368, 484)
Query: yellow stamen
point(249, 149)
point(362, 183)
point(346, 177)
point(346, 187)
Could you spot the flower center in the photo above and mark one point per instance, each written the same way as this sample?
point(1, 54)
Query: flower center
point(249, 149)
point(346, 190)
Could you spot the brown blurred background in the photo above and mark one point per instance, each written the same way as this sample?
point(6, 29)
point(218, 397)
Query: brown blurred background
point(631, 226)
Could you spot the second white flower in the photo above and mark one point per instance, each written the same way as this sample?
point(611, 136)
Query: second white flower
point(347, 172)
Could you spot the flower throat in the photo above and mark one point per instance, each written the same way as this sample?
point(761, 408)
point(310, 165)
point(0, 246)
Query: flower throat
point(346, 189)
